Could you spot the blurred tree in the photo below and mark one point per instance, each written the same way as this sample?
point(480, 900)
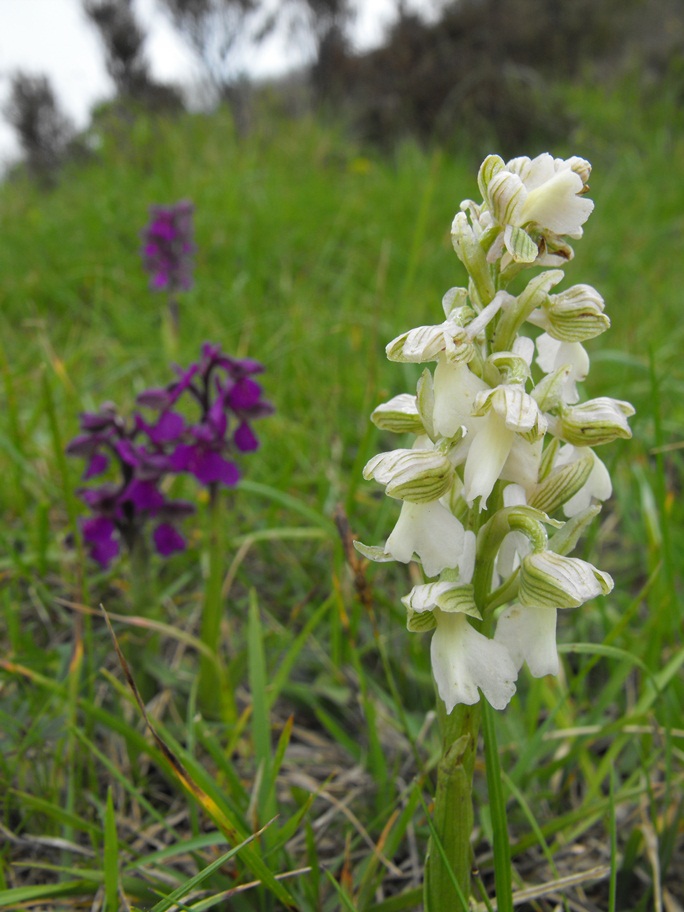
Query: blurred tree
point(329, 15)
point(327, 23)
point(124, 40)
point(330, 22)
point(45, 133)
point(221, 33)
point(483, 72)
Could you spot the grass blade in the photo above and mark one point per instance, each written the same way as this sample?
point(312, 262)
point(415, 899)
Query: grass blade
point(174, 898)
point(251, 857)
point(111, 856)
point(497, 805)
point(42, 893)
point(261, 723)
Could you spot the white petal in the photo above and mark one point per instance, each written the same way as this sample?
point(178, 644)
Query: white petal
point(513, 548)
point(554, 354)
point(524, 346)
point(533, 172)
point(598, 485)
point(431, 532)
point(514, 496)
point(497, 250)
point(419, 474)
point(424, 343)
point(448, 597)
point(464, 660)
point(596, 421)
point(507, 197)
point(466, 565)
point(399, 414)
point(455, 388)
point(522, 465)
point(516, 408)
point(424, 597)
point(579, 165)
point(454, 298)
point(515, 545)
point(529, 635)
point(555, 204)
point(486, 457)
point(520, 245)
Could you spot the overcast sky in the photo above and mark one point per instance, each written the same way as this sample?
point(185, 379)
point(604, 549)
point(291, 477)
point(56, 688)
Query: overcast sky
point(53, 37)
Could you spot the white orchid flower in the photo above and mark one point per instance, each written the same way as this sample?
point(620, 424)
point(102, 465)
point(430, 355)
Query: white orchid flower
point(531, 198)
point(464, 661)
point(552, 191)
point(597, 486)
point(507, 410)
point(548, 581)
point(455, 389)
point(430, 531)
point(516, 544)
point(451, 340)
point(554, 355)
point(480, 421)
point(399, 415)
point(529, 635)
point(595, 422)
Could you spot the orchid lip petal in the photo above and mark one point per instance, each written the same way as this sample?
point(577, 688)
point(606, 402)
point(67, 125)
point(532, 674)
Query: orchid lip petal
point(429, 531)
point(529, 635)
point(486, 458)
point(465, 662)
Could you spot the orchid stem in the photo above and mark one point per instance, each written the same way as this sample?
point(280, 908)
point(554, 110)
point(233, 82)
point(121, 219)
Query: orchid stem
point(171, 327)
point(449, 859)
point(143, 602)
point(214, 692)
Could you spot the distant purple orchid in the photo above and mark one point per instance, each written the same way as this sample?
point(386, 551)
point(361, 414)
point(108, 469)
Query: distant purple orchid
point(144, 451)
point(122, 507)
point(168, 247)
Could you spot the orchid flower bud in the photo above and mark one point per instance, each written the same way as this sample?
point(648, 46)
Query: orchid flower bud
point(596, 422)
point(574, 315)
point(549, 580)
point(419, 475)
point(399, 415)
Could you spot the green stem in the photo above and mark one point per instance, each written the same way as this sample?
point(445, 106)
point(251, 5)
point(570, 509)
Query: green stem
point(481, 275)
point(513, 318)
point(171, 327)
point(213, 690)
point(497, 806)
point(474, 258)
point(448, 864)
point(143, 602)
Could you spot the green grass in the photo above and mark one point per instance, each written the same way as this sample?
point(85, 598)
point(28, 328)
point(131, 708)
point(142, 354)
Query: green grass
point(312, 254)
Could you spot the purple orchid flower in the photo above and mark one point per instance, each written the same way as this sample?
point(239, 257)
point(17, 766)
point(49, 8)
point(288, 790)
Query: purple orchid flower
point(228, 400)
point(168, 247)
point(121, 508)
point(225, 400)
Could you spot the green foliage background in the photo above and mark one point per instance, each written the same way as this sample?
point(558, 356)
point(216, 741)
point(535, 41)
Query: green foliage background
point(313, 252)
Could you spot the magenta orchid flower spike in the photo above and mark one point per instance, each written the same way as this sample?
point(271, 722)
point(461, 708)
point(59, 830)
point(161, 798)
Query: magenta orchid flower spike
point(199, 424)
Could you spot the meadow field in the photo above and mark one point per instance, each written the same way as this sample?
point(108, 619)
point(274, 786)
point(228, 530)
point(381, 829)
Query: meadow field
point(312, 253)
